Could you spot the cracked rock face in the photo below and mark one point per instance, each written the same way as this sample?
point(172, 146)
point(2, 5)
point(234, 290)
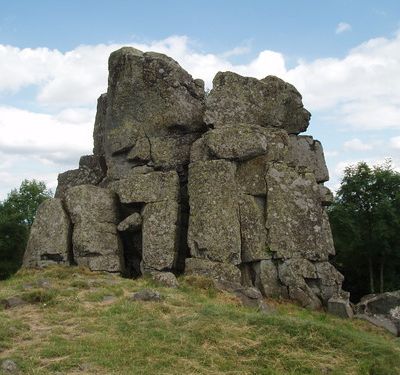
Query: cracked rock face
point(222, 186)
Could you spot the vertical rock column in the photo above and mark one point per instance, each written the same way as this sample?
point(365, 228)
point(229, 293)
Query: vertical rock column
point(95, 240)
point(214, 228)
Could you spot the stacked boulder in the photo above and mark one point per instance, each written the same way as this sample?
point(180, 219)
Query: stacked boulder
point(219, 185)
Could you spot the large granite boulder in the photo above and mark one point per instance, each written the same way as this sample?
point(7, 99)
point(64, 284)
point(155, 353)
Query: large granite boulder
point(49, 240)
point(154, 111)
point(270, 102)
point(95, 240)
point(221, 186)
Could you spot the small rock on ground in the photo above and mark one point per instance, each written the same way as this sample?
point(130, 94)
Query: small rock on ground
point(146, 295)
point(9, 367)
point(11, 302)
point(109, 299)
point(166, 279)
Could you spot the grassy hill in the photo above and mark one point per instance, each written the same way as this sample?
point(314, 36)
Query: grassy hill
point(78, 322)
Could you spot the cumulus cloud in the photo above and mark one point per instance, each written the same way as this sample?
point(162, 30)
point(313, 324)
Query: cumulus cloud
point(342, 27)
point(357, 145)
point(360, 91)
point(395, 143)
point(362, 88)
point(58, 138)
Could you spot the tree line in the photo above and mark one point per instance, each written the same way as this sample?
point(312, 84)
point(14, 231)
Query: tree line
point(365, 221)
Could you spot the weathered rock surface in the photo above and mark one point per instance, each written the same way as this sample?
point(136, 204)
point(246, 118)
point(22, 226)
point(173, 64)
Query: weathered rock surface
point(248, 296)
point(306, 154)
point(91, 171)
point(382, 310)
point(267, 279)
point(99, 126)
point(94, 213)
point(150, 96)
point(147, 295)
point(166, 279)
point(160, 235)
point(340, 307)
point(214, 270)
point(49, 240)
point(294, 273)
point(237, 142)
point(383, 303)
point(11, 302)
point(214, 225)
point(381, 321)
point(132, 223)
point(297, 225)
point(252, 228)
point(221, 186)
point(270, 102)
point(8, 366)
point(147, 188)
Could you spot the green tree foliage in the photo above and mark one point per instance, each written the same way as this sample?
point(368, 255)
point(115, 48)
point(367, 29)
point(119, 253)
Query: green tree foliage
point(17, 213)
point(365, 220)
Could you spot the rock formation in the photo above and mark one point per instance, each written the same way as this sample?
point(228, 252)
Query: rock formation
point(179, 181)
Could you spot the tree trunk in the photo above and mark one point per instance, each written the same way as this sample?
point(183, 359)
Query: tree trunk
point(371, 275)
point(381, 273)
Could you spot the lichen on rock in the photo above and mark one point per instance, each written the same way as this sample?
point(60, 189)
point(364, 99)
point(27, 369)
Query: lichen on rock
point(221, 185)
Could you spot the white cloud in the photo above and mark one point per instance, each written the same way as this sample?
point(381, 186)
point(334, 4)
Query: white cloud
point(329, 153)
point(49, 138)
point(79, 76)
point(359, 91)
point(237, 51)
point(356, 144)
point(342, 27)
point(395, 143)
point(22, 67)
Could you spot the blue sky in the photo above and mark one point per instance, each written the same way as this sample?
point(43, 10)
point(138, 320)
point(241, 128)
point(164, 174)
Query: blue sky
point(343, 56)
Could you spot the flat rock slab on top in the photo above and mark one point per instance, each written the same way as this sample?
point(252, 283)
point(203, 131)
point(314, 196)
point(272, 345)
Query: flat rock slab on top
point(270, 102)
